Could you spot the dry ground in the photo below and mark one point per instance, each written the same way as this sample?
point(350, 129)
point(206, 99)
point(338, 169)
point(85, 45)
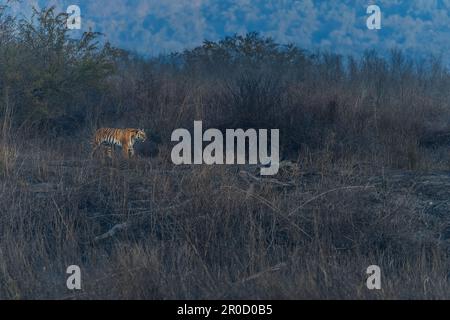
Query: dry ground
point(148, 229)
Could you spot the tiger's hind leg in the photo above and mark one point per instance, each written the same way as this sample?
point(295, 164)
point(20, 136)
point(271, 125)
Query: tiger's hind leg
point(94, 150)
point(103, 153)
point(108, 151)
point(107, 155)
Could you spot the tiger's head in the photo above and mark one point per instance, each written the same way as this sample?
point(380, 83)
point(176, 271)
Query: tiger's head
point(139, 135)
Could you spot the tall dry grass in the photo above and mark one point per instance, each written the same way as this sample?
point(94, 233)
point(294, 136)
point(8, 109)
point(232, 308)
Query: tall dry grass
point(368, 182)
point(213, 232)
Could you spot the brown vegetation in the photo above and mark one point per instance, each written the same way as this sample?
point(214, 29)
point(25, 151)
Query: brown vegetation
point(367, 181)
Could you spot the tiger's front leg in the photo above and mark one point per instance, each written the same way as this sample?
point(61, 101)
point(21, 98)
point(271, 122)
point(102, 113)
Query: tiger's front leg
point(128, 151)
point(125, 152)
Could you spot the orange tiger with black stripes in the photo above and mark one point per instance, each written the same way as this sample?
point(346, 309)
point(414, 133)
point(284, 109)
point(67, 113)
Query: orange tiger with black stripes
point(111, 137)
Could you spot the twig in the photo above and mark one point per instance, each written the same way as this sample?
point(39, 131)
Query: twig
point(325, 193)
point(244, 173)
point(116, 228)
point(277, 267)
point(259, 274)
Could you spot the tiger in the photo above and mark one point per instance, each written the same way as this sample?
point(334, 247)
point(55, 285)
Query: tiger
point(125, 138)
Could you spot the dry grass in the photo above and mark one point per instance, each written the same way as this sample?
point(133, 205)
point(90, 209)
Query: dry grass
point(214, 232)
point(370, 182)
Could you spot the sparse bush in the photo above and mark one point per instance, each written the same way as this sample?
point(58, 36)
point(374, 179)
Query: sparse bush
point(48, 74)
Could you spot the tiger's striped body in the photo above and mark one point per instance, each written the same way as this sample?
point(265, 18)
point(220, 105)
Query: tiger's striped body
point(110, 137)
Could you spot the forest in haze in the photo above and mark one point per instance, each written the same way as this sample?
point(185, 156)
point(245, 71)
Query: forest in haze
point(365, 177)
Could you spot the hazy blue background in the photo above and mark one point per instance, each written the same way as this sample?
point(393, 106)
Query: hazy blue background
point(151, 27)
